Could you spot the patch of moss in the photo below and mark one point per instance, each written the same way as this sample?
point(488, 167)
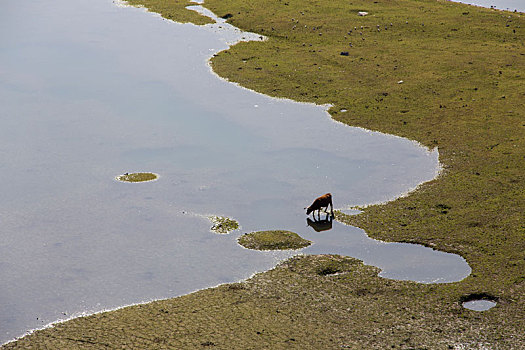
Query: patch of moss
point(223, 225)
point(273, 240)
point(137, 177)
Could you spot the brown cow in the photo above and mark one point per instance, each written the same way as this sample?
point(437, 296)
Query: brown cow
point(321, 202)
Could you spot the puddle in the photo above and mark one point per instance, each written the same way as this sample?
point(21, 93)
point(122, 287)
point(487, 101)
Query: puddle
point(88, 89)
point(478, 302)
point(479, 305)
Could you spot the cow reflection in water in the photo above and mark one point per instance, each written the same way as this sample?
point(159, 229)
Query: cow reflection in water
point(321, 224)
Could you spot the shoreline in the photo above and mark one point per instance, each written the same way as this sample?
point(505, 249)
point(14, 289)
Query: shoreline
point(440, 174)
point(204, 216)
point(125, 5)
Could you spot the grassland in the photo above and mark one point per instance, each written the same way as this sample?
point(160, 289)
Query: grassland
point(444, 74)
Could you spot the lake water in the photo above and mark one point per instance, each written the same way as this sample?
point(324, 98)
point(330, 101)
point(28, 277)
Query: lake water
point(509, 5)
point(90, 90)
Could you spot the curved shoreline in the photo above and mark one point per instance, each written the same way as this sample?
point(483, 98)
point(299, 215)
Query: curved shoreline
point(445, 167)
point(343, 218)
point(411, 193)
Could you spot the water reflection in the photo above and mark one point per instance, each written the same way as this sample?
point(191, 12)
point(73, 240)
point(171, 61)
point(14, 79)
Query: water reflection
point(319, 224)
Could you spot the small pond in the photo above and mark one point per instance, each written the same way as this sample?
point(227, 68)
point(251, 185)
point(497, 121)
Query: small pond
point(479, 301)
point(479, 305)
point(90, 91)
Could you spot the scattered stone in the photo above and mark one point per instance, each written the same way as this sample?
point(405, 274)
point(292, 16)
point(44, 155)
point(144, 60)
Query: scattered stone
point(362, 13)
point(345, 53)
point(226, 16)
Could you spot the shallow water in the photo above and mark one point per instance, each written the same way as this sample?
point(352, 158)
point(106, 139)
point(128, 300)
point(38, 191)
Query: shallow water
point(509, 5)
point(90, 91)
point(479, 305)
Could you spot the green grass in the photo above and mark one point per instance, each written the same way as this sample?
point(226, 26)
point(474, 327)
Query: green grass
point(463, 91)
point(273, 240)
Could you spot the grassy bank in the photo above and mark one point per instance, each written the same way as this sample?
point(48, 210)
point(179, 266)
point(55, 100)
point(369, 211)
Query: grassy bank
point(441, 73)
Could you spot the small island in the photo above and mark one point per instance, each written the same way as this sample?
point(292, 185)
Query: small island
point(223, 225)
point(273, 240)
point(137, 177)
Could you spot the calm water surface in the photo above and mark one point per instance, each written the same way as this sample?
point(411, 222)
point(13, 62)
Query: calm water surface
point(509, 5)
point(90, 90)
point(479, 305)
